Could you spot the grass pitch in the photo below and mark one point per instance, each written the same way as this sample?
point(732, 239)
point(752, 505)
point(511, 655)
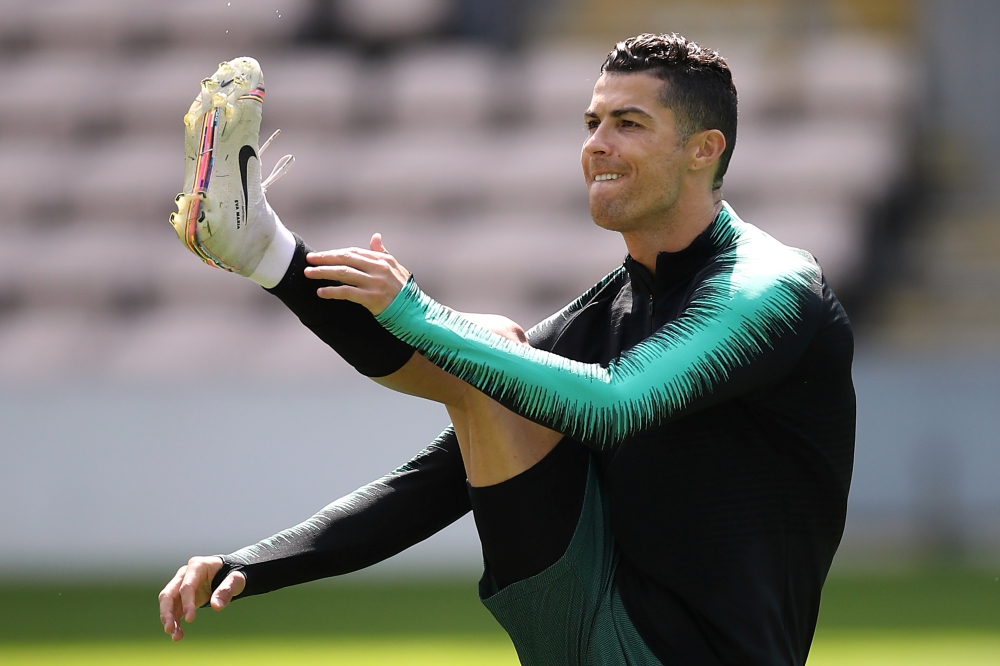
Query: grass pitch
point(918, 619)
point(906, 648)
point(886, 648)
point(454, 651)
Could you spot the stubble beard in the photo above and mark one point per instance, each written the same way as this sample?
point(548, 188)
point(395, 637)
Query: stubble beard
point(628, 212)
point(613, 215)
point(619, 212)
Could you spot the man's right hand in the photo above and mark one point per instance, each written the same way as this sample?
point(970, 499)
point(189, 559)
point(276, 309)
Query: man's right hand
point(191, 587)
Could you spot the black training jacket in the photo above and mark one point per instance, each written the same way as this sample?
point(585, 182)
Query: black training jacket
point(717, 397)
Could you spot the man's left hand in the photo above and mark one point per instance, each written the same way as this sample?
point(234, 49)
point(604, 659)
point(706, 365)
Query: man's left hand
point(371, 278)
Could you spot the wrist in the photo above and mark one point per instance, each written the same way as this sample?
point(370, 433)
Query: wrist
point(409, 291)
point(225, 568)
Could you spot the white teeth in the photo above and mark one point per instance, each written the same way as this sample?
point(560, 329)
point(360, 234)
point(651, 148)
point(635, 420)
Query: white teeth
point(608, 176)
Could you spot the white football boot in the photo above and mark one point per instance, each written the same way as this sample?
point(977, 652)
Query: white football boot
point(222, 215)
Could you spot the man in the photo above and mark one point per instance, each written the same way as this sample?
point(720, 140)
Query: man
point(662, 475)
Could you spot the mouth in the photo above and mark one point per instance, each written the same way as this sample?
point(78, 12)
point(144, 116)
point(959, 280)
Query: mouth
point(601, 177)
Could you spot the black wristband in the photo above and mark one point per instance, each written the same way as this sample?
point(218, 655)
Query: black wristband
point(220, 575)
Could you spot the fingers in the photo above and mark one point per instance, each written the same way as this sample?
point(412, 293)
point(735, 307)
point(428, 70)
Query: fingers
point(366, 261)
point(170, 605)
point(372, 278)
point(189, 591)
point(341, 273)
point(345, 292)
point(232, 586)
point(358, 268)
point(350, 256)
point(374, 300)
point(189, 588)
point(361, 288)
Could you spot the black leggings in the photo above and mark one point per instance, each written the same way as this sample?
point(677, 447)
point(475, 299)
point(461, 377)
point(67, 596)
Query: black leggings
point(526, 523)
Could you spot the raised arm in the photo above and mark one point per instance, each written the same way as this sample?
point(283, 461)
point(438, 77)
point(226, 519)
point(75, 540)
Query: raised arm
point(748, 321)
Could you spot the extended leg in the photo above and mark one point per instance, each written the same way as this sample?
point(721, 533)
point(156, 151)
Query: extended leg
point(526, 482)
point(497, 443)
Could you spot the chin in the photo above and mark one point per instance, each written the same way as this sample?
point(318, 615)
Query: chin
point(608, 215)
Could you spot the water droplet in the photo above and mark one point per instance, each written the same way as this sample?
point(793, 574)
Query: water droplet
point(227, 32)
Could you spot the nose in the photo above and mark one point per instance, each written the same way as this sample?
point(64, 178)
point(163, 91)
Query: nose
point(597, 143)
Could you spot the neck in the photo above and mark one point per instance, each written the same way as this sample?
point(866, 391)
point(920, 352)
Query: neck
point(676, 230)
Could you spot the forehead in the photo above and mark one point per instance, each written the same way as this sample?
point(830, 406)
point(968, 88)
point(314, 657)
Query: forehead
point(619, 90)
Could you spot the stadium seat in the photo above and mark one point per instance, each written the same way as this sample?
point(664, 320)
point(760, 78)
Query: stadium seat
point(90, 180)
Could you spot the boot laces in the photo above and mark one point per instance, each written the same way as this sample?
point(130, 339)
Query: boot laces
point(280, 169)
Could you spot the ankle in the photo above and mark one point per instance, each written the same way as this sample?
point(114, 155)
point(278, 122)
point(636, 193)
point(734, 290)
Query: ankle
point(278, 255)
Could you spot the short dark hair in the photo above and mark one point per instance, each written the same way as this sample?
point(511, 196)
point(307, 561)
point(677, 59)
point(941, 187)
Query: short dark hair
point(699, 90)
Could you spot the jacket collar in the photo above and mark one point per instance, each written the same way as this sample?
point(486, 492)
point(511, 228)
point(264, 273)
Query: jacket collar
point(674, 268)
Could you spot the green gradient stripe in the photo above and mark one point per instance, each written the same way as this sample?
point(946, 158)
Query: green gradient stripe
point(756, 294)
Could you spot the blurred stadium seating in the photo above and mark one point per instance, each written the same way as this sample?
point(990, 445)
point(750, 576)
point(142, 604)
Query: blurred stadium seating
point(867, 136)
point(490, 215)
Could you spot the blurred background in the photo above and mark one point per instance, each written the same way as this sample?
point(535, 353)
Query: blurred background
point(152, 408)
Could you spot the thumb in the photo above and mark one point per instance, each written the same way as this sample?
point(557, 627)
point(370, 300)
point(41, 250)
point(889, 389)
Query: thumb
point(376, 244)
point(231, 587)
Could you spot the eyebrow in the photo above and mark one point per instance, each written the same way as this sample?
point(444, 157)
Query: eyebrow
point(618, 113)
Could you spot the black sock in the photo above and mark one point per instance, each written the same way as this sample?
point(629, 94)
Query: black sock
point(349, 328)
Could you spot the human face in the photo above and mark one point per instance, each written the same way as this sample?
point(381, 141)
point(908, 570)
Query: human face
point(633, 158)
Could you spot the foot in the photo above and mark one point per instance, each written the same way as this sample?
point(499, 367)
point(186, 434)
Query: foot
point(222, 215)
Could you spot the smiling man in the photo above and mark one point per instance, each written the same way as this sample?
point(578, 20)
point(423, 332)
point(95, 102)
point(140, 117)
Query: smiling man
point(660, 475)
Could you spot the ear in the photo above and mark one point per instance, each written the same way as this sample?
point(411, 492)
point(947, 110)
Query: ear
point(705, 149)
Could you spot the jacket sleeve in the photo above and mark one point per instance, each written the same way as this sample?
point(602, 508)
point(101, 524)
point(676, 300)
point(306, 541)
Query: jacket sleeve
point(746, 325)
point(371, 524)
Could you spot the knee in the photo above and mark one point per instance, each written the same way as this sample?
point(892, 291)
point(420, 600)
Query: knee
point(500, 325)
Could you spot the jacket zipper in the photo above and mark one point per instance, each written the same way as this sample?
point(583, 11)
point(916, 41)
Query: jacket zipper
point(650, 315)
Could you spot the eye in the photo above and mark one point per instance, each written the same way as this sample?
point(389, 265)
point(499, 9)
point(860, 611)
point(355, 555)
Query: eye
point(591, 125)
point(629, 123)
